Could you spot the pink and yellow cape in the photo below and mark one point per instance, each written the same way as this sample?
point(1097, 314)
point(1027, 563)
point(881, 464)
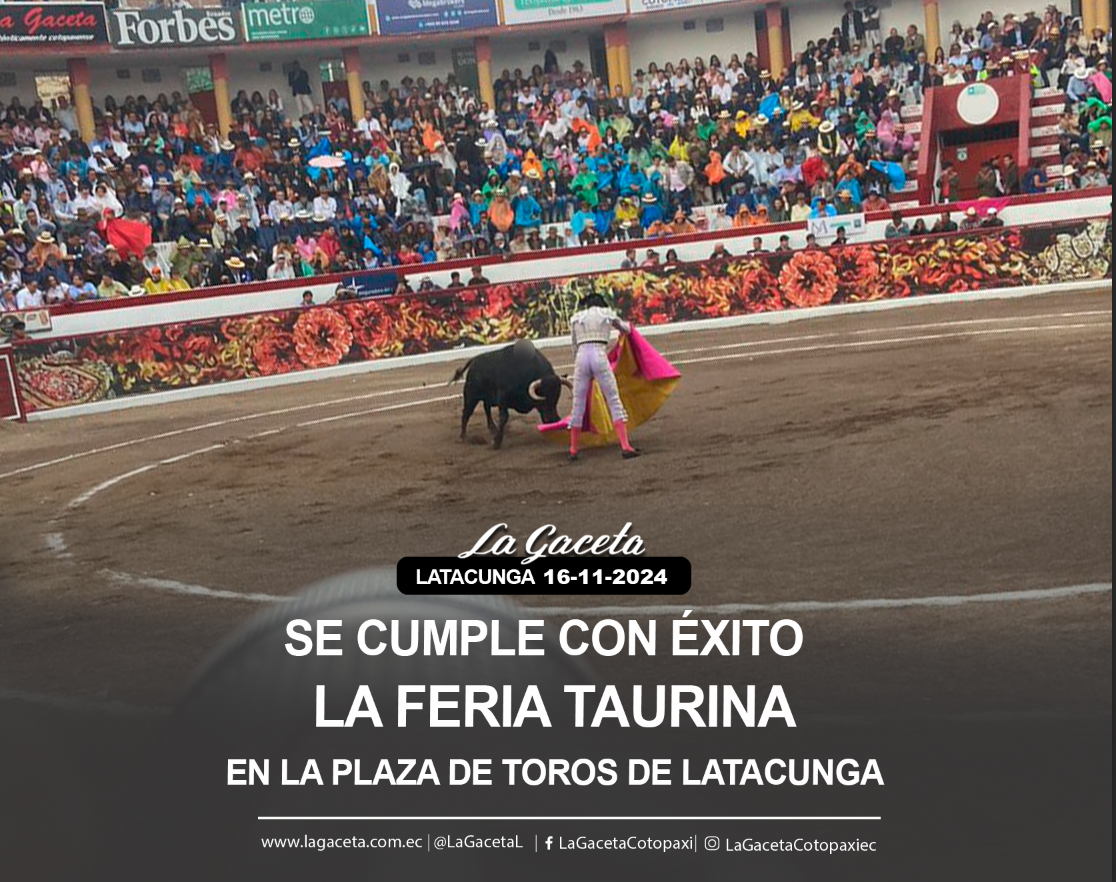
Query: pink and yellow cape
point(645, 380)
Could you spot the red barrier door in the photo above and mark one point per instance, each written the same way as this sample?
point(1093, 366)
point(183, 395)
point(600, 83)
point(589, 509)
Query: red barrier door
point(11, 406)
point(967, 159)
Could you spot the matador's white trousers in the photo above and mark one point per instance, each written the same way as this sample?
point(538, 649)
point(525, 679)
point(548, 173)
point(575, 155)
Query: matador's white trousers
point(592, 363)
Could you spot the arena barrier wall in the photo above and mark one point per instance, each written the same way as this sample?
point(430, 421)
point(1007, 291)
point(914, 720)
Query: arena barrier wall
point(102, 316)
point(63, 372)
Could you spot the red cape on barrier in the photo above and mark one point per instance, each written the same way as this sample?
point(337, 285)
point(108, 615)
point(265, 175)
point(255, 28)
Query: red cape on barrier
point(127, 236)
point(645, 380)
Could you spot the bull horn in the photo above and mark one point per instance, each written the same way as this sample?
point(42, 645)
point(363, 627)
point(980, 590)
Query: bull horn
point(565, 381)
point(533, 391)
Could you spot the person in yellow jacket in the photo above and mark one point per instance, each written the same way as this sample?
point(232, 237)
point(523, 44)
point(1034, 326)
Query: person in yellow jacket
point(626, 210)
point(679, 149)
point(800, 118)
point(176, 282)
point(743, 124)
point(155, 283)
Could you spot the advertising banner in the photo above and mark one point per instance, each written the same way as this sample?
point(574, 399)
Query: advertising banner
point(638, 7)
point(173, 28)
point(826, 227)
point(319, 20)
point(532, 11)
point(56, 23)
point(429, 16)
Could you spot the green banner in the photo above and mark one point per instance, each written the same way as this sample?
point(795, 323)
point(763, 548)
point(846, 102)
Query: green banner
point(311, 20)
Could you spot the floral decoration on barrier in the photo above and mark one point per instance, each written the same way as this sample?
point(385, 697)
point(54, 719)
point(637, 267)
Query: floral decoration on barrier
point(60, 373)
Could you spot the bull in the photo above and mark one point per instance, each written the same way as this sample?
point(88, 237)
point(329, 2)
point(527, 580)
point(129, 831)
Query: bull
point(517, 377)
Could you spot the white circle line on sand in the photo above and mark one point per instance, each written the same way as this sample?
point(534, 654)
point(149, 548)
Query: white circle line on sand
point(850, 605)
point(646, 611)
point(214, 424)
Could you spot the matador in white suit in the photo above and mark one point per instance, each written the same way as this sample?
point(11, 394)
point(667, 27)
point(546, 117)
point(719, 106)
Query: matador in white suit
point(589, 330)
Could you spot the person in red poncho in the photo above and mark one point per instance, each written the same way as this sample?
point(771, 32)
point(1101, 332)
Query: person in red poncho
point(814, 169)
point(326, 249)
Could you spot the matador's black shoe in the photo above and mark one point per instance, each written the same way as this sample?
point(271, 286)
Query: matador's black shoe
point(631, 454)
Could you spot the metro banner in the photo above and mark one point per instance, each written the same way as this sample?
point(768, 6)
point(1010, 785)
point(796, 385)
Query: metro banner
point(399, 17)
point(41, 24)
point(532, 11)
point(319, 20)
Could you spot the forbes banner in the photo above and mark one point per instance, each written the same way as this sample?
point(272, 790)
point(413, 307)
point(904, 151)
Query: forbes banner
point(529, 11)
point(172, 28)
point(317, 20)
point(42, 23)
point(427, 16)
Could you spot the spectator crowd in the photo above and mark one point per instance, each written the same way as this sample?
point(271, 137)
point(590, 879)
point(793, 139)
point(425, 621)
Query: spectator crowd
point(159, 201)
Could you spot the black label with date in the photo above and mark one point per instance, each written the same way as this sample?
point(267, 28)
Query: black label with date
point(547, 575)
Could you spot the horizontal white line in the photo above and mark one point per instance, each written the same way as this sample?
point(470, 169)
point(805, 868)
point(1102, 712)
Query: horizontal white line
point(823, 605)
point(568, 818)
point(176, 587)
point(390, 407)
point(888, 341)
point(215, 424)
point(750, 344)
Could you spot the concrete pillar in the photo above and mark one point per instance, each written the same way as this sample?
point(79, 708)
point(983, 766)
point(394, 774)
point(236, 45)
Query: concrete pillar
point(619, 59)
point(775, 41)
point(1088, 16)
point(83, 101)
point(1096, 14)
point(351, 58)
point(483, 51)
point(933, 27)
point(219, 70)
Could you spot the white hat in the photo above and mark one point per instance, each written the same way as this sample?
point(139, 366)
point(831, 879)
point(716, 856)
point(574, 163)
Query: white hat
point(1068, 171)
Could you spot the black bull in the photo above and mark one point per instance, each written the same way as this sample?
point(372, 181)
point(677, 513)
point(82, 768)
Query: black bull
point(517, 377)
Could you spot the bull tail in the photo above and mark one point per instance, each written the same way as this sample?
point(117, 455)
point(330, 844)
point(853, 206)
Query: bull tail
point(460, 372)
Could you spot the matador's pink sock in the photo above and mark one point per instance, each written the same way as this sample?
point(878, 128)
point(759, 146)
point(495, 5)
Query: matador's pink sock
point(575, 438)
point(622, 434)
